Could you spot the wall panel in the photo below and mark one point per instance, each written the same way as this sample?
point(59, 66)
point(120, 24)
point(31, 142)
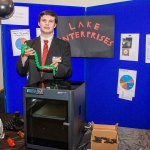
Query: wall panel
point(103, 104)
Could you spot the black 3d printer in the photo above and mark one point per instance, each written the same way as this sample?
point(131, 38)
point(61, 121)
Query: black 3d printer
point(54, 115)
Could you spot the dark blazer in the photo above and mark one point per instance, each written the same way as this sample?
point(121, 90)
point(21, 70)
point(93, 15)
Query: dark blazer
point(58, 48)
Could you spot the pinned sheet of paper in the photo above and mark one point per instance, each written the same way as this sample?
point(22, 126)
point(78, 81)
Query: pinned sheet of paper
point(38, 32)
point(129, 47)
point(18, 37)
point(147, 57)
point(19, 17)
point(126, 84)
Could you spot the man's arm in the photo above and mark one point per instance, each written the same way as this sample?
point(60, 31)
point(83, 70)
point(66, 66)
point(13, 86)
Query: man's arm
point(22, 67)
point(64, 68)
point(23, 63)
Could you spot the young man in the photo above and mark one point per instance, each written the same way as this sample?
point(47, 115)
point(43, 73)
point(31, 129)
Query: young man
point(58, 53)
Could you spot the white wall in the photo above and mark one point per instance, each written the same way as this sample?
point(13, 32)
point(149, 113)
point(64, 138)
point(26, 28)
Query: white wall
point(84, 3)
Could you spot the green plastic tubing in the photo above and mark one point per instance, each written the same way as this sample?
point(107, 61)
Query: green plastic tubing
point(25, 46)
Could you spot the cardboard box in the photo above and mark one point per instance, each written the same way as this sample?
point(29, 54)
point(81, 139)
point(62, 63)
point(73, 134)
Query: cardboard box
point(104, 137)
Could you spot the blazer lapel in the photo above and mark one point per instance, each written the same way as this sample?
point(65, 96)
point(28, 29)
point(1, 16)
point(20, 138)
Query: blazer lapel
point(38, 49)
point(50, 52)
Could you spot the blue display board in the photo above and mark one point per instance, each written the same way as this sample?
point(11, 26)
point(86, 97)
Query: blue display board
point(103, 103)
point(100, 74)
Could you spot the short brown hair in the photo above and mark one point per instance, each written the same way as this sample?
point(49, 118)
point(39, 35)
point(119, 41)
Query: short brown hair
point(50, 13)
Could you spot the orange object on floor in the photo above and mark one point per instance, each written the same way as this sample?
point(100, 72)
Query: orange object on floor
point(21, 134)
point(11, 142)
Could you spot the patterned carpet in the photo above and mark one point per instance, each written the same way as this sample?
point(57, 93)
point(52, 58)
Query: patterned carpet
point(133, 139)
point(129, 139)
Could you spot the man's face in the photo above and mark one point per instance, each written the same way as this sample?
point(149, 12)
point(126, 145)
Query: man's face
point(47, 24)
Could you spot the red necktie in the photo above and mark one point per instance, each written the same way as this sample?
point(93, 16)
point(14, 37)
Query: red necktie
point(45, 51)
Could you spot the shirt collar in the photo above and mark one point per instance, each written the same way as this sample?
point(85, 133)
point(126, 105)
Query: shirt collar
point(49, 39)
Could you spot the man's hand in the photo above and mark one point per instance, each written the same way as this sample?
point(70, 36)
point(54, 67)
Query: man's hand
point(56, 62)
point(28, 52)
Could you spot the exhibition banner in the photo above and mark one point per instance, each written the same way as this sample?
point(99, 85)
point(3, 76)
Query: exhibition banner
point(89, 36)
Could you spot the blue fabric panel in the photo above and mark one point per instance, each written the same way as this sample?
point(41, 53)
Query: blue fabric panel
point(103, 104)
point(100, 74)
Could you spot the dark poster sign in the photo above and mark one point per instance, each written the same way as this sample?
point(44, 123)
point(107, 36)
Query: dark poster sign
point(89, 36)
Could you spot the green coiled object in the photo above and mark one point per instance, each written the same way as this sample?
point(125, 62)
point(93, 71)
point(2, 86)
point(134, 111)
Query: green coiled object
point(25, 46)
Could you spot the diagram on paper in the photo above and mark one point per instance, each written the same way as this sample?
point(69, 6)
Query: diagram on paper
point(126, 84)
